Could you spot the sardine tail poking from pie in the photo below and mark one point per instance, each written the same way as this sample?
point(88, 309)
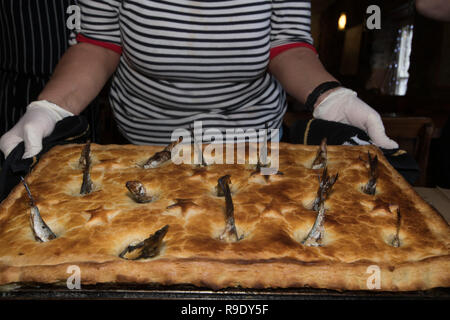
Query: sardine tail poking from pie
point(301, 227)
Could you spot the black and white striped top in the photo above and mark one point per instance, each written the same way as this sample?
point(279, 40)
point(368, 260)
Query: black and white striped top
point(184, 61)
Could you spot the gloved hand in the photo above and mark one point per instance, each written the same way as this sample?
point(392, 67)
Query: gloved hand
point(343, 105)
point(37, 123)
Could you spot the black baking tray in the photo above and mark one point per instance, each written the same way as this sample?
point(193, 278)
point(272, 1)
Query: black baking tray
point(188, 292)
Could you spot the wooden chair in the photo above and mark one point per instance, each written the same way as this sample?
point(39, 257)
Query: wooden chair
point(413, 134)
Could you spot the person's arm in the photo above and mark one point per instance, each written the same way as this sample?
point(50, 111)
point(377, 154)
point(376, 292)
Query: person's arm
point(434, 9)
point(79, 76)
point(300, 71)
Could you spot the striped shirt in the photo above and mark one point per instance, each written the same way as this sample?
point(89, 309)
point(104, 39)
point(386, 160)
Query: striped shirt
point(33, 37)
point(184, 61)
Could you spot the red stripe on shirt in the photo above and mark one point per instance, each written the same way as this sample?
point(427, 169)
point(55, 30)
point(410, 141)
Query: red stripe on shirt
point(277, 50)
point(107, 45)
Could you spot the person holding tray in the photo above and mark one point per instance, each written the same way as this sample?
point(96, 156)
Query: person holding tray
point(228, 64)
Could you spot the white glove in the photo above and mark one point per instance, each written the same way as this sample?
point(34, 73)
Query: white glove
point(37, 123)
point(342, 105)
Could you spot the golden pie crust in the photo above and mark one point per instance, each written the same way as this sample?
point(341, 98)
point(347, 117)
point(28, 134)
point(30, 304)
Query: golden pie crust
point(273, 216)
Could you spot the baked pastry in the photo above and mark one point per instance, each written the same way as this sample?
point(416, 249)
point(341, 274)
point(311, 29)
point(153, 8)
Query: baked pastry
point(394, 230)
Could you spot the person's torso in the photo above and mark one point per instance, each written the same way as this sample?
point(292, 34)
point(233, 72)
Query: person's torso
point(196, 40)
